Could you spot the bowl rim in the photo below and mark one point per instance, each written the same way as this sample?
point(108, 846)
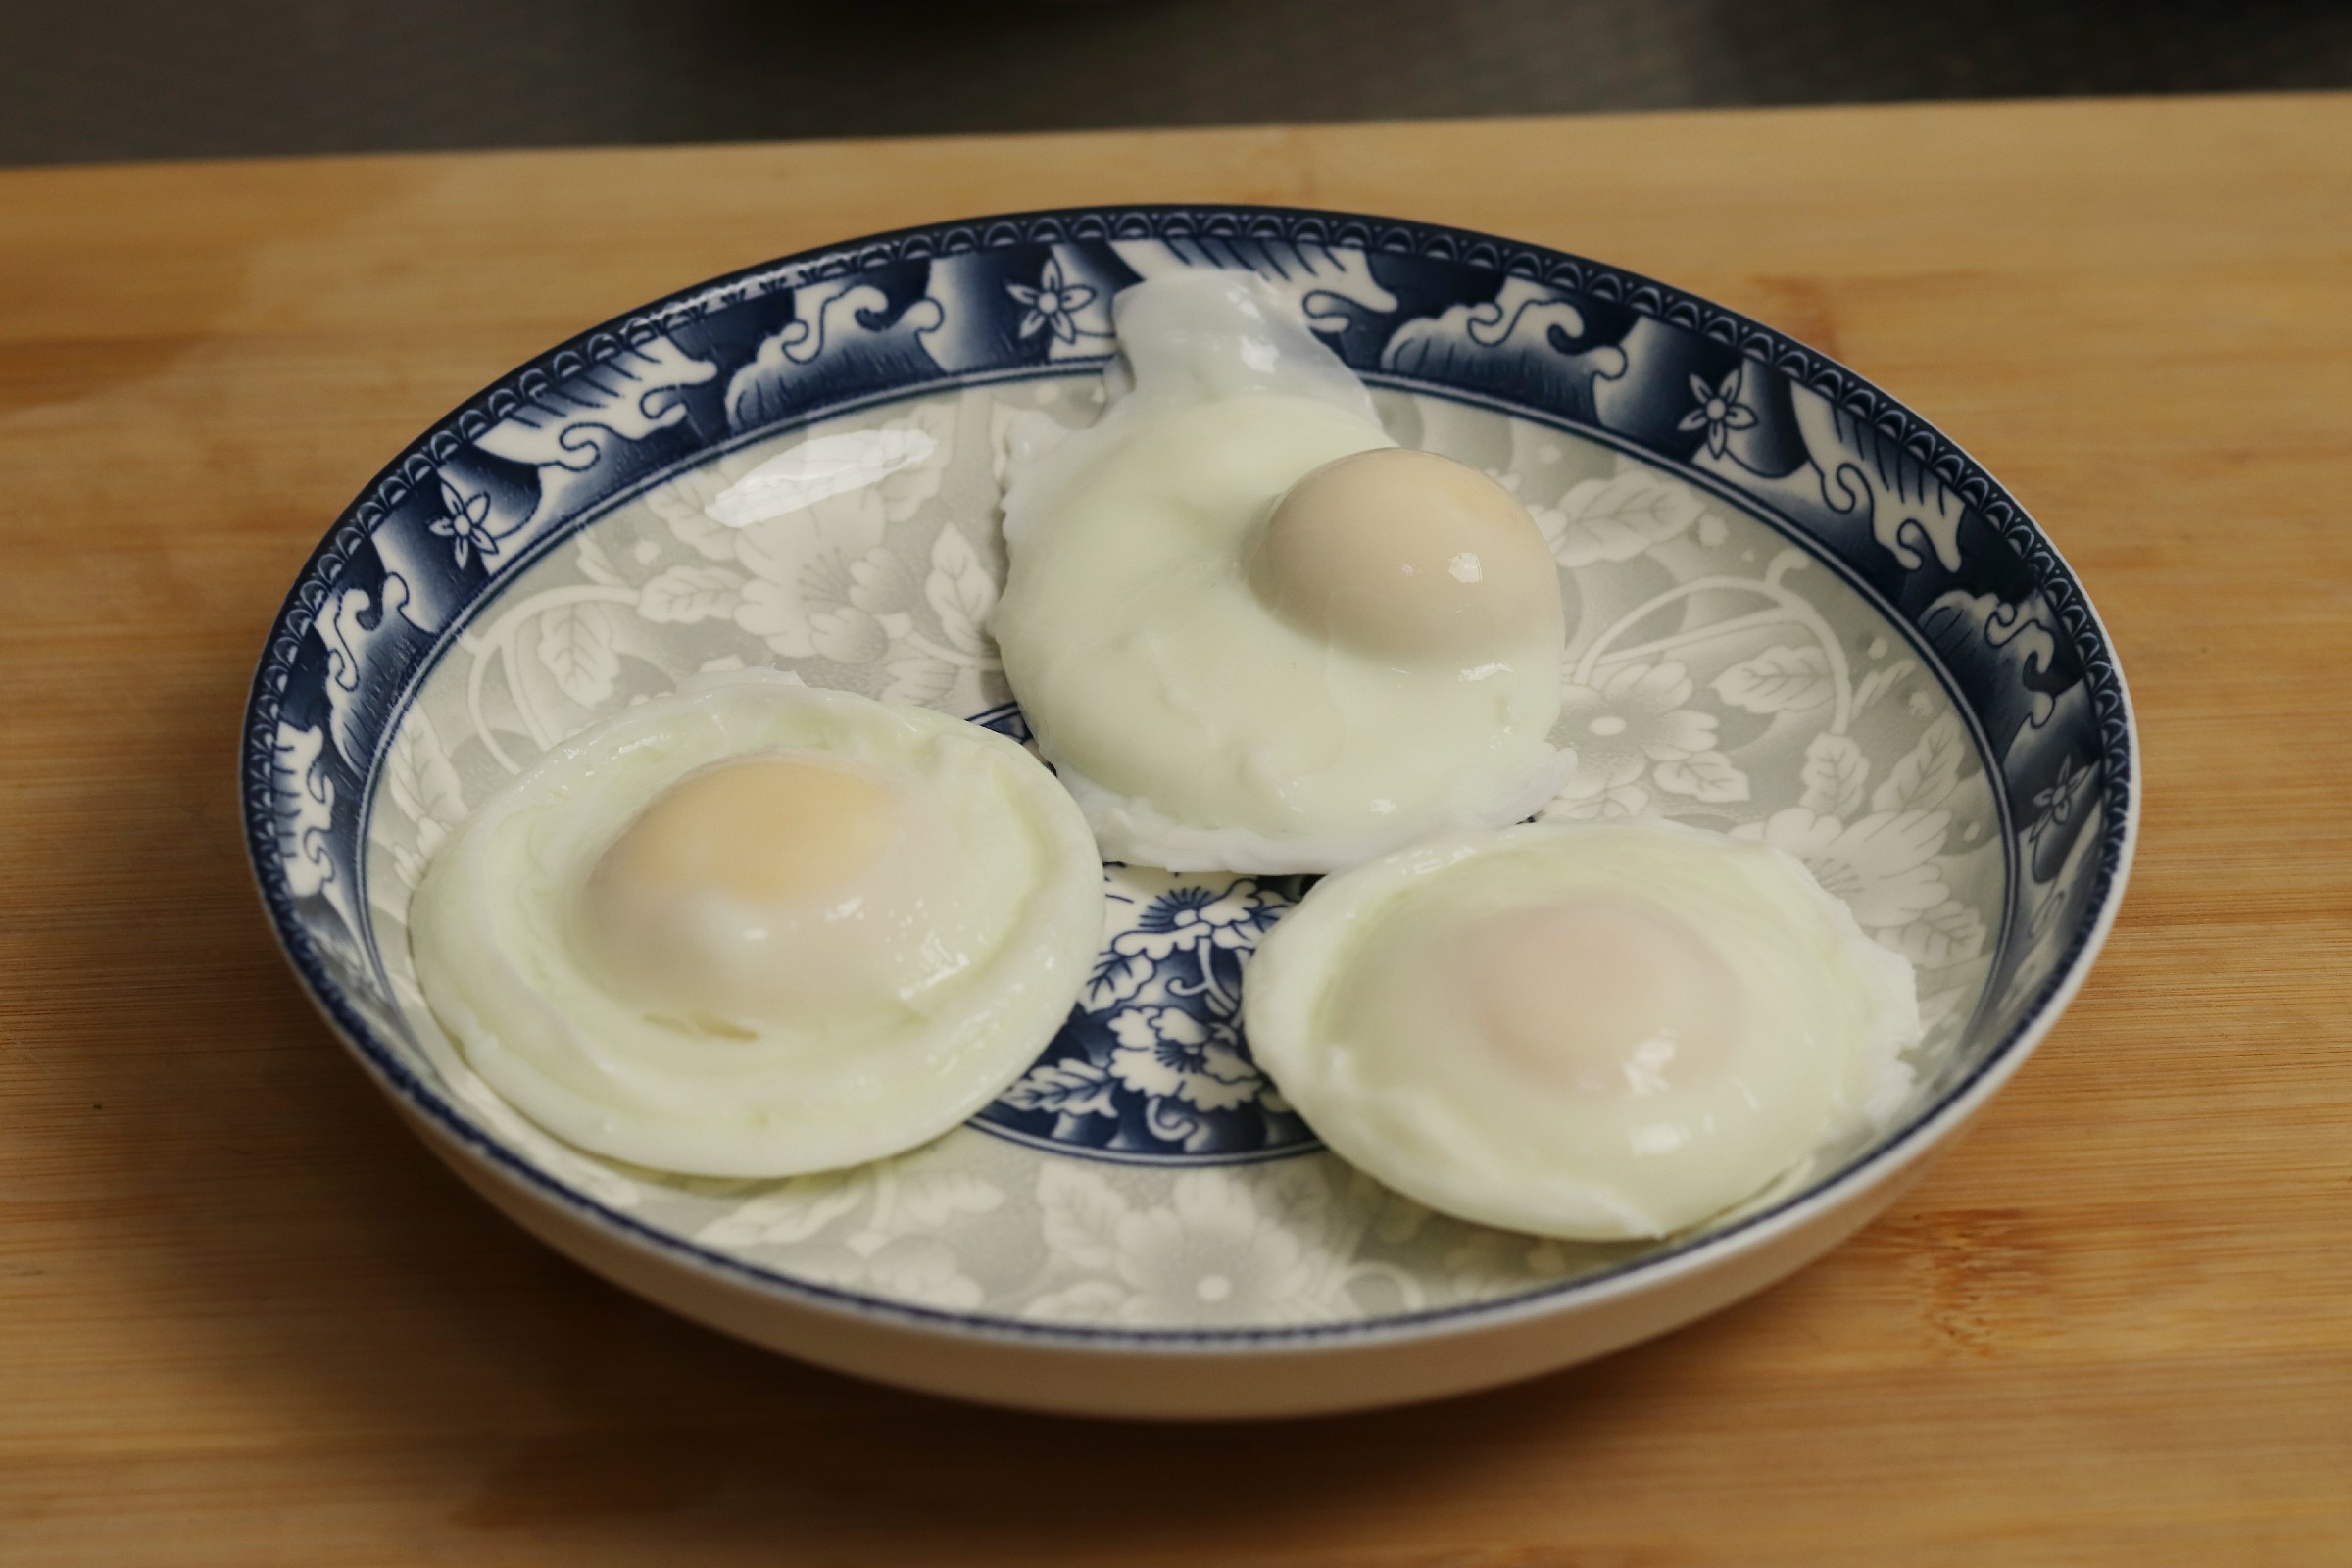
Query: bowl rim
point(2053, 576)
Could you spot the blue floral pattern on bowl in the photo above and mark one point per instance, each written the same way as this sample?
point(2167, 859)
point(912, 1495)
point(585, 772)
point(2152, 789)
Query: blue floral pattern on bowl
point(1152, 1064)
point(1152, 1061)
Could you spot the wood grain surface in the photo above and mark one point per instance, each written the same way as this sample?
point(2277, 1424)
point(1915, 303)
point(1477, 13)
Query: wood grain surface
point(245, 1319)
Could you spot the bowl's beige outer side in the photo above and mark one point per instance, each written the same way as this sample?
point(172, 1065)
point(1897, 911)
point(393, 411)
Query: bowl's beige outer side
point(1195, 1382)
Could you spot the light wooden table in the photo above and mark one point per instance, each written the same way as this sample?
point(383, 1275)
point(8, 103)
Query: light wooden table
point(245, 1319)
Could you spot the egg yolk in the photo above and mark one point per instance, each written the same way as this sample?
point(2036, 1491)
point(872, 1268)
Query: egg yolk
point(1409, 554)
point(695, 905)
point(1601, 995)
point(764, 828)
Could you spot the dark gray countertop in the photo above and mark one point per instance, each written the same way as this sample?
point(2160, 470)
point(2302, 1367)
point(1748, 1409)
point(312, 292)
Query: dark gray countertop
point(170, 78)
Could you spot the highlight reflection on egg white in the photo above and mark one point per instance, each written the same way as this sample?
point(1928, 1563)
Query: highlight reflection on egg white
point(1254, 635)
point(756, 929)
point(1579, 1030)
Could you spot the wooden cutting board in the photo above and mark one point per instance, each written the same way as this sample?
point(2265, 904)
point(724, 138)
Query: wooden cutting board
point(245, 1319)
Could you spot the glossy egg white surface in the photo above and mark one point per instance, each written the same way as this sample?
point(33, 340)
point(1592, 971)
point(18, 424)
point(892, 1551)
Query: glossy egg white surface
point(1582, 1031)
point(1248, 632)
point(756, 929)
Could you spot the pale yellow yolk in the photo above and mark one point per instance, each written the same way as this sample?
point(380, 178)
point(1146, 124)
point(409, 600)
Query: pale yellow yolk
point(705, 905)
point(765, 829)
point(1605, 996)
point(1410, 555)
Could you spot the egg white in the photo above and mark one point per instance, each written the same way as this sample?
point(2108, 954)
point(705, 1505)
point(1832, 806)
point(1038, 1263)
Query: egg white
point(989, 932)
point(1369, 1007)
point(1197, 728)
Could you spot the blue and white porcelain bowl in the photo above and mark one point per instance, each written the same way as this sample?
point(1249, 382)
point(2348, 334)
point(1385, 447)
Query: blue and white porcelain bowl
point(1796, 612)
